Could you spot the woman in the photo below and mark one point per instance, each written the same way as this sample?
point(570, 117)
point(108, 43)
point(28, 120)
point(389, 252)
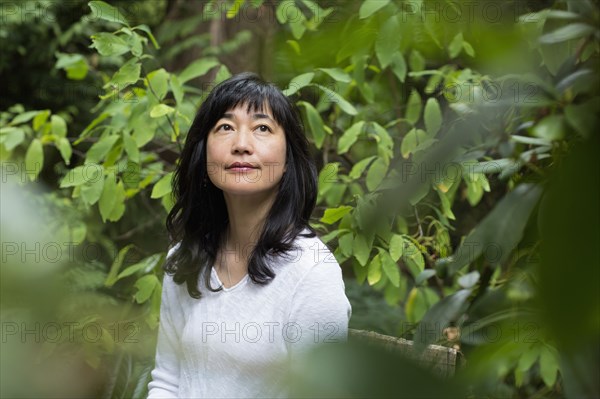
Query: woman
point(248, 285)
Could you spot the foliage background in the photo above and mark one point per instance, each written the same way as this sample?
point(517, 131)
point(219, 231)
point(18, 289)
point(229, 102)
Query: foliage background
point(457, 144)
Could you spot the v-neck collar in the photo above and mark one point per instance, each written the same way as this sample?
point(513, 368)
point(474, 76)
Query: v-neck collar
point(219, 283)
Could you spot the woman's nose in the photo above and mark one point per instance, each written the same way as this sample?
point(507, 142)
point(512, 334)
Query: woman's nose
point(242, 141)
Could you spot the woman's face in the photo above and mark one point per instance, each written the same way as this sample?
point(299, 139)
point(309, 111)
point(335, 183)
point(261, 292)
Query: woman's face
point(247, 138)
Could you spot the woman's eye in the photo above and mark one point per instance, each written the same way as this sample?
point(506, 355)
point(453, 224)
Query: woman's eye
point(224, 127)
point(264, 128)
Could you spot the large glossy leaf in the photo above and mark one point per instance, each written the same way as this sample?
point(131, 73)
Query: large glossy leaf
point(500, 231)
point(333, 215)
point(387, 41)
point(349, 137)
point(34, 159)
point(414, 107)
point(162, 187)
point(571, 31)
point(376, 173)
point(335, 98)
point(433, 117)
point(102, 10)
point(197, 68)
point(315, 123)
point(369, 7)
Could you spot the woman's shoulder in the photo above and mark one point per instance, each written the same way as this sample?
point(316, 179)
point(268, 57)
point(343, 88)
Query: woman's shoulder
point(310, 252)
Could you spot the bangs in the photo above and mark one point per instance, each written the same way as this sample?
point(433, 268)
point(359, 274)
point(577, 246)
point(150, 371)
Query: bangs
point(253, 94)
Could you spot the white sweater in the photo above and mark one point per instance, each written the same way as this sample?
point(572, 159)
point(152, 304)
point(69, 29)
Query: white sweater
point(243, 341)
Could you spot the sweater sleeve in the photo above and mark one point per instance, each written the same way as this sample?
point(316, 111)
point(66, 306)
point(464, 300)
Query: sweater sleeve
point(165, 375)
point(320, 310)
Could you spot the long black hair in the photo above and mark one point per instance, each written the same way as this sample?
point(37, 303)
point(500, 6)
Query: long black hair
point(198, 220)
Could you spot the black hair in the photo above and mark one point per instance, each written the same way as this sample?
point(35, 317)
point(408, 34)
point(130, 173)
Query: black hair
point(198, 220)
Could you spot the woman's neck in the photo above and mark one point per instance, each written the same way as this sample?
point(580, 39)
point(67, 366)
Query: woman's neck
point(246, 219)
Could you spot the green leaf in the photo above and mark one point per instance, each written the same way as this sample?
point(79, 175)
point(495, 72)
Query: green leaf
point(24, 117)
point(396, 247)
point(370, 7)
point(131, 147)
point(295, 46)
point(177, 89)
point(119, 208)
point(433, 117)
point(101, 10)
point(528, 358)
point(376, 173)
point(108, 44)
point(298, 83)
point(337, 99)
point(497, 235)
point(416, 61)
point(222, 74)
point(108, 199)
point(374, 273)
point(100, 148)
point(424, 276)
point(74, 64)
point(359, 167)
point(285, 10)
point(445, 202)
point(315, 123)
point(235, 8)
point(413, 107)
point(145, 265)
point(116, 265)
point(145, 287)
point(80, 175)
point(163, 186)
point(161, 110)
point(40, 119)
point(332, 215)
point(167, 203)
point(387, 44)
point(385, 139)
point(34, 159)
point(298, 26)
point(390, 268)
point(59, 126)
point(91, 190)
point(571, 31)
point(456, 45)
point(135, 44)
point(412, 139)
point(550, 128)
point(469, 49)
point(548, 366)
point(345, 244)
point(126, 75)
point(349, 137)
point(399, 66)
point(91, 127)
point(197, 68)
point(131, 176)
point(158, 83)
point(361, 249)
point(469, 280)
point(64, 147)
point(146, 29)
point(337, 74)
point(11, 137)
point(418, 302)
